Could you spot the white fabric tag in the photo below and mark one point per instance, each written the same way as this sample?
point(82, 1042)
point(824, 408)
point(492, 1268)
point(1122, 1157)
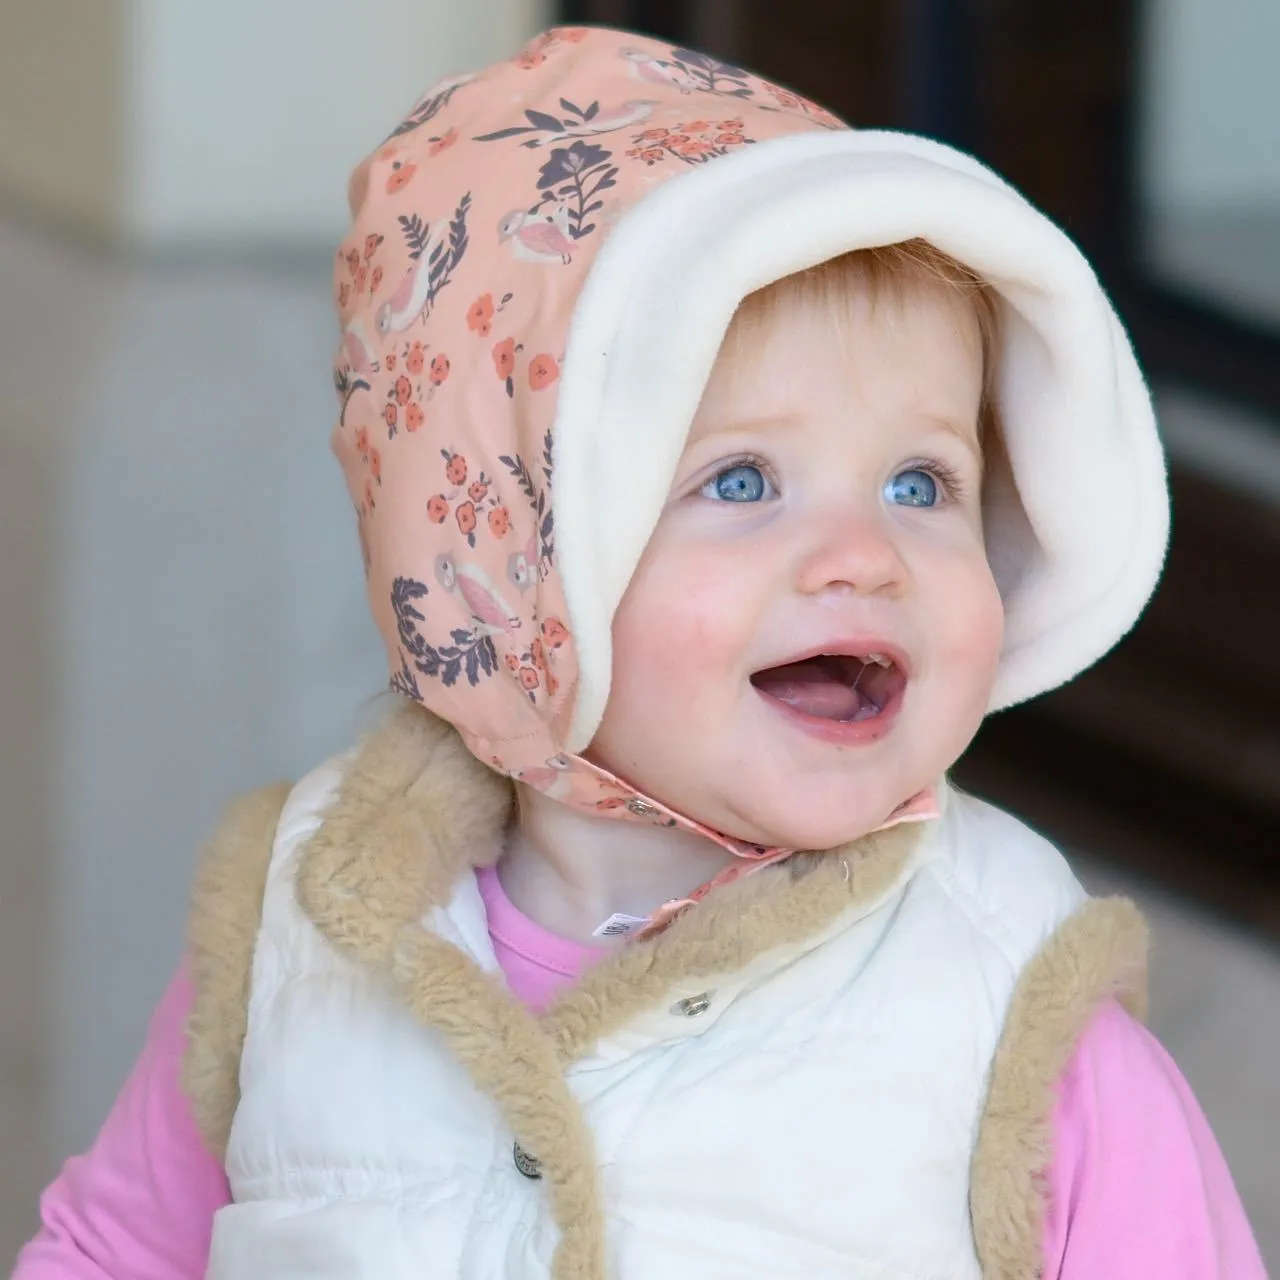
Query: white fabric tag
point(620, 925)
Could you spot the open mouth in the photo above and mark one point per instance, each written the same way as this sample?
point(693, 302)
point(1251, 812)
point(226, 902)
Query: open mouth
point(840, 688)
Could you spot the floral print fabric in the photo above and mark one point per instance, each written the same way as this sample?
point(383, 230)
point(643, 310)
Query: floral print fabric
point(474, 226)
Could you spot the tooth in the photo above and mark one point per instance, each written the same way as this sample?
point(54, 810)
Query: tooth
point(879, 659)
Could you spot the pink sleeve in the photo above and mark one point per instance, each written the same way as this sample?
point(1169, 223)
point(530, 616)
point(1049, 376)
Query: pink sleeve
point(140, 1203)
point(1138, 1185)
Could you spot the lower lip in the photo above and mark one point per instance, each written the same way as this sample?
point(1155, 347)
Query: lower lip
point(840, 733)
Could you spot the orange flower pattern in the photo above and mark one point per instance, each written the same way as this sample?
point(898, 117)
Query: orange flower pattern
point(406, 398)
point(555, 632)
point(790, 101)
point(443, 142)
point(400, 177)
point(534, 54)
point(468, 501)
point(694, 142)
point(504, 363)
point(455, 467)
point(543, 371)
point(481, 314)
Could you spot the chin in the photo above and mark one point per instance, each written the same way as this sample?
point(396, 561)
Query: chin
point(821, 838)
point(826, 826)
point(815, 802)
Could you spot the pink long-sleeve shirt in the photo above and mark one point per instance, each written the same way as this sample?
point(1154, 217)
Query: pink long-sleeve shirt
point(1138, 1186)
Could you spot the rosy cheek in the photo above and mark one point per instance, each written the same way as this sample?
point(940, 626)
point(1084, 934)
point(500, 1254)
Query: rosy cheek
point(980, 633)
point(717, 606)
point(667, 659)
point(678, 626)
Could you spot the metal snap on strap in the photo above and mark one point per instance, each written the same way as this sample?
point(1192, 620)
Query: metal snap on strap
point(641, 808)
point(526, 1163)
point(692, 1006)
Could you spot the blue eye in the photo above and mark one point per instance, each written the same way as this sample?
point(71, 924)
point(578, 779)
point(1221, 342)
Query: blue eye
point(912, 489)
point(742, 483)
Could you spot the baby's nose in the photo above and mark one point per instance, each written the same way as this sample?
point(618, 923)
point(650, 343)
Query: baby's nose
point(857, 555)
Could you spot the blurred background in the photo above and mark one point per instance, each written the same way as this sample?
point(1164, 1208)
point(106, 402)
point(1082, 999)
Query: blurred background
point(181, 604)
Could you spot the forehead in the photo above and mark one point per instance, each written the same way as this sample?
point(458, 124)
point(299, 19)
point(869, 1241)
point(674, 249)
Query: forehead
point(905, 348)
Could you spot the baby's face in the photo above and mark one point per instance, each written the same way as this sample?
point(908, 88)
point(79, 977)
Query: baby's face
point(827, 504)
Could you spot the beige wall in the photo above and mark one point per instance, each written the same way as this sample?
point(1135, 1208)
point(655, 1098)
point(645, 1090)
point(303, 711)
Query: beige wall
point(173, 123)
point(28, 507)
point(64, 75)
point(248, 115)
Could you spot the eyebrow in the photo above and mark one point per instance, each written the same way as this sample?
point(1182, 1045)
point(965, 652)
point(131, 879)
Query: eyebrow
point(744, 426)
point(970, 438)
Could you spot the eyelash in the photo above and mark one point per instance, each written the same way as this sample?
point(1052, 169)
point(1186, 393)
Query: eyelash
point(749, 460)
point(950, 479)
point(739, 460)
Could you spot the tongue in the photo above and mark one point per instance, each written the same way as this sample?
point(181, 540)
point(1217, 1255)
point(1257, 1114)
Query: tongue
point(815, 689)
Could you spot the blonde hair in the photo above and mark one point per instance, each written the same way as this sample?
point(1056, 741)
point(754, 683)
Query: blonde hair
point(893, 270)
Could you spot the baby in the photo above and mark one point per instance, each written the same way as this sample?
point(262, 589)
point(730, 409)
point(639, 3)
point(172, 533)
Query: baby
point(718, 468)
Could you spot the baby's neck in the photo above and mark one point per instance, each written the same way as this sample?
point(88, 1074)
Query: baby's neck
point(569, 871)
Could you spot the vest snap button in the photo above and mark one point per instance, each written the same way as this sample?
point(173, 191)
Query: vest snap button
point(692, 1006)
point(527, 1165)
point(641, 808)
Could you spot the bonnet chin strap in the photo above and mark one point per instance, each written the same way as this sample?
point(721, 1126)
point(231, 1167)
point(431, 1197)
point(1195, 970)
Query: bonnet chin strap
point(625, 802)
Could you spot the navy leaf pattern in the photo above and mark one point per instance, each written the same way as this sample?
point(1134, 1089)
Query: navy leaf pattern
point(423, 113)
point(445, 257)
point(573, 176)
point(540, 498)
point(470, 653)
point(544, 123)
point(712, 75)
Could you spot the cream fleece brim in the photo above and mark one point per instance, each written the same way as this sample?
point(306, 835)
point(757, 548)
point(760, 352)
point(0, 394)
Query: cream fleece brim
point(1077, 549)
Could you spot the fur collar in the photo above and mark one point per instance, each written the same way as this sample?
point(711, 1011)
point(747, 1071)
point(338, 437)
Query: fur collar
point(415, 810)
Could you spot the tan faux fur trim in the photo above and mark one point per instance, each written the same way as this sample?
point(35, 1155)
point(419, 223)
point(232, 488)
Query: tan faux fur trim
point(413, 810)
point(777, 907)
point(1100, 952)
point(222, 930)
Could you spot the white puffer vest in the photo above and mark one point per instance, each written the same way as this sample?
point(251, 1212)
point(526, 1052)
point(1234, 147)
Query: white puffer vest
point(811, 1116)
